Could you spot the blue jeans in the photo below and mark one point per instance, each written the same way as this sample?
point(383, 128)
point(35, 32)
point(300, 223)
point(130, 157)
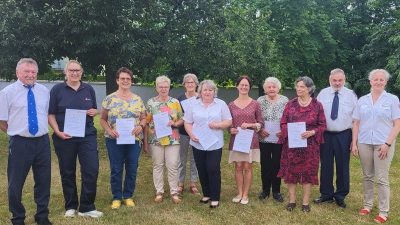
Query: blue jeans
point(118, 155)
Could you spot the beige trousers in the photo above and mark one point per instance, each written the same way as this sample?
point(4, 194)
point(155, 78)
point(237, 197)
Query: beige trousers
point(168, 155)
point(372, 167)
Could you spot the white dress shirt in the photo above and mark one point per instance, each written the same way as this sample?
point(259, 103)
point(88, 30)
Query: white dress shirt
point(14, 108)
point(347, 104)
point(217, 111)
point(376, 120)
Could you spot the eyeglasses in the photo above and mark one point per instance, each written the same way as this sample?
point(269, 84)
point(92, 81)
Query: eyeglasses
point(165, 87)
point(74, 71)
point(244, 85)
point(190, 82)
point(124, 78)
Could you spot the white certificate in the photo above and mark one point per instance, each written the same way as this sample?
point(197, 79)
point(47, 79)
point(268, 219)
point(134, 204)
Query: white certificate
point(243, 140)
point(206, 136)
point(124, 128)
point(294, 132)
point(272, 128)
point(187, 102)
point(160, 124)
point(75, 122)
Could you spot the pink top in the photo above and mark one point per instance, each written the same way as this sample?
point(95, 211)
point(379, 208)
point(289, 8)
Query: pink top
point(250, 114)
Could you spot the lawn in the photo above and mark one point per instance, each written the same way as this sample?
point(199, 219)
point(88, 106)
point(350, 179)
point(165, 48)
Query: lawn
point(190, 211)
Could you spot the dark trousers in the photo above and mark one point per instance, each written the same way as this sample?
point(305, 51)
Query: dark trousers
point(336, 148)
point(86, 150)
point(209, 168)
point(23, 154)
point(270, 158)
point(120, 155)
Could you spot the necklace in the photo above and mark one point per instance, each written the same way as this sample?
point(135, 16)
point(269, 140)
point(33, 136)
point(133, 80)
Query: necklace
point(304, 103)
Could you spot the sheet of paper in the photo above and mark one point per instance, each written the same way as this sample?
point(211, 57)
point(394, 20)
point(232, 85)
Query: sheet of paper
point(243, 140)
point(160, 123)
point(124, 128)
point(187, 102)
point(75, 122)
point(206, 136)
point(294, 135)
point(272, 128)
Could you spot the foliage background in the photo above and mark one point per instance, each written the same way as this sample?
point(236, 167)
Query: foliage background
point(218, 39)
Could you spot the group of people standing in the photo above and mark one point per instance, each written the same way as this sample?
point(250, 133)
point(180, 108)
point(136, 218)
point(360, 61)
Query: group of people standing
point(336, 123)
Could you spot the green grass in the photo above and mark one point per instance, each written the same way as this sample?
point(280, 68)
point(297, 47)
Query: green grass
point(190, 211)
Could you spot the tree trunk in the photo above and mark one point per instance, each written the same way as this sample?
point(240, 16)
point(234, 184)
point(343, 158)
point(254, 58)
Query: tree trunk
point(111, 85)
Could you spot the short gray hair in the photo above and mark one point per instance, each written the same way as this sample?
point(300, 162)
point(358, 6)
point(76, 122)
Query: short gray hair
point(308, 82)
point(162, 79)
point(208, 83)
point(337, 70)
point(188, 76)
point(27, 61)
point(273, 80)
point(387, 75)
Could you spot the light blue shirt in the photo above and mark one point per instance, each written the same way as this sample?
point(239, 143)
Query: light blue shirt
point(347, 104)
point(14, 108)
point(376, 120)
point(217, 111)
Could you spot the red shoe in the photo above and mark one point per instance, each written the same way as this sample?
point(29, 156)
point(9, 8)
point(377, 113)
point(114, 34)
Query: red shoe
point(364, 212)
point(381, 219)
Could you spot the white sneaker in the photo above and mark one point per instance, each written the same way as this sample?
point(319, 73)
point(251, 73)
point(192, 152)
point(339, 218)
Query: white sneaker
point(70, 213)
point(93, 213)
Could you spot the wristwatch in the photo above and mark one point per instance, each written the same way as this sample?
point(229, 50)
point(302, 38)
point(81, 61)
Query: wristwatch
point(141, 126)
point(388, 144)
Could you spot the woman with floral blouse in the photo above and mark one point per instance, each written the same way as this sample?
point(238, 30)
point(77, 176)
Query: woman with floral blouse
point(164, 150)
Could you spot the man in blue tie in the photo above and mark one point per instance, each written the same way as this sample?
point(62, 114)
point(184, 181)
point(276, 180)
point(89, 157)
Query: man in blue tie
point(339, 103)
point(23, 116)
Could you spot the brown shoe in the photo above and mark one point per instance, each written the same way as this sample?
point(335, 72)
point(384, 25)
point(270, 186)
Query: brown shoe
point(175, 198)
point(159, 197)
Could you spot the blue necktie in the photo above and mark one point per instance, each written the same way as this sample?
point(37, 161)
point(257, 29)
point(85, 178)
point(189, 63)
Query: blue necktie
point(32, 115)
point(335, 106)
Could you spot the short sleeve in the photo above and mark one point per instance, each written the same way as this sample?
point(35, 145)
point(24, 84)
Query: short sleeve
point(4, 108)
point(226, 114)
point(53, 103)
point(356, 112)
point(395, 108)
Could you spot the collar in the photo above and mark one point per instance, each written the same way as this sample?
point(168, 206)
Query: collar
point(23, 85)
point(332, 91)
point(200, 102)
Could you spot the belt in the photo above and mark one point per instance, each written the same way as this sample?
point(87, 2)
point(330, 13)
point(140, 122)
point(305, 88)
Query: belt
point(336, 132)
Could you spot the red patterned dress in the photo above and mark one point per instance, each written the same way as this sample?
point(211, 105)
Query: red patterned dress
point(300, 165)
point(249, 114)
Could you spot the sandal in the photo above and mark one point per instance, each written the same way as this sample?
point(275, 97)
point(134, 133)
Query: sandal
point(194, 190)
point(290, 206)
point(381, 219)
point(305, 208)
point(180, 189)
point(364, 212)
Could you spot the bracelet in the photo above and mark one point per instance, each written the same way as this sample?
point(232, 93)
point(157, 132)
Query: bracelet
point(388, 144)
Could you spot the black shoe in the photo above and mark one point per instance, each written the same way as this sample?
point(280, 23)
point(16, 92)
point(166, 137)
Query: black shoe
point(214, 206)
point(290, 206)
point(305, 208)
point(263, 195)
point(321, 200)
point(340, 203)
point(204, 201)
point(20, 223)
point(43, 221)
point(277, 196)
